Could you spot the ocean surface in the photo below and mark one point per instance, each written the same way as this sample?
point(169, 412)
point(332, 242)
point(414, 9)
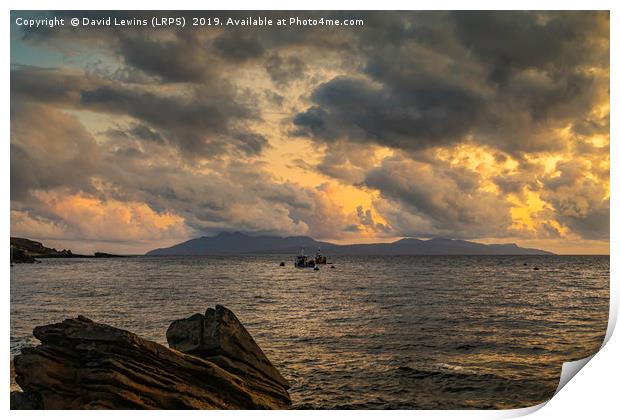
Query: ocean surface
point(373, 332)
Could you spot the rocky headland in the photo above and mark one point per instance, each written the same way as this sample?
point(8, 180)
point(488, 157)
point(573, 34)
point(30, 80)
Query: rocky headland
point(27, 251)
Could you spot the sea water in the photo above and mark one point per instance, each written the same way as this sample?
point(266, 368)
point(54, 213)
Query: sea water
point(372, 332)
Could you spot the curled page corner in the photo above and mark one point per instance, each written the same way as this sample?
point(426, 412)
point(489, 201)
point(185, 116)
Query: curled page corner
point(520, 412)
point(570, 369)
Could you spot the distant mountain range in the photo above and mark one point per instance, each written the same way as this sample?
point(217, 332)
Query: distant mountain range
point(241, 244)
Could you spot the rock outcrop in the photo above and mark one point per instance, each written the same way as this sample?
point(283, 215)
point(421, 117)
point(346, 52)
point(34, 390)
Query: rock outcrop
point(218, 334)
point(81, 364)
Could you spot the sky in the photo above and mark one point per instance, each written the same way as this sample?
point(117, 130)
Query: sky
point(485, 126)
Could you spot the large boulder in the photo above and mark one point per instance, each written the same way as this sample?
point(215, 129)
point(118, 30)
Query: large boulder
point(218, 333)
point(81, 364)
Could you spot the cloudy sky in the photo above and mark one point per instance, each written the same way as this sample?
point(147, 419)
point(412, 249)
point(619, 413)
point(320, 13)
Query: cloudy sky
point(490, 126)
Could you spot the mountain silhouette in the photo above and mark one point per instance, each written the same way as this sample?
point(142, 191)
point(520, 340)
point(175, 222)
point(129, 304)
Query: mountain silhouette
point(227, 243)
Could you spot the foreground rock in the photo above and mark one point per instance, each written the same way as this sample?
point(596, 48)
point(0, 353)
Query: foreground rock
point(81, 364)
point(219, 336)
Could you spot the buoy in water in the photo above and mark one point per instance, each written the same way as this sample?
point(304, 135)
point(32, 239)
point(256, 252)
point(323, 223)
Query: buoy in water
point(332, 266)
point(316, 268)
point(282, 264)
point(536, 268)
point(524, 263)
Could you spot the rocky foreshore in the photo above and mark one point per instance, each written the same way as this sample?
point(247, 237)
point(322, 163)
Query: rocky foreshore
point(212, 363)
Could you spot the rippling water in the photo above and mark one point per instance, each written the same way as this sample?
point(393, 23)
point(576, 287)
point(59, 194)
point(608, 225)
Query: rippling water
point(374, 332)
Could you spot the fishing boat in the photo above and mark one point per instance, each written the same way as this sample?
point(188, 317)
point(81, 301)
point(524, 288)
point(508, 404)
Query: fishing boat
point(320, 259)
point(302, 261)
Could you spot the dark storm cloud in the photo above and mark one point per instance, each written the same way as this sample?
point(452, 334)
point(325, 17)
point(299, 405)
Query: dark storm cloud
point(181, 59)
point(514, 41)
point(284, 70)
point(23, 177)
point(580, 202)
point(205, 122)
point(137, 131)
point(145, 133)
point(49, 149)
point(525, 176)
point(201, 124)
point(502, 79)
point(238, 46)
point(592, 126)
point(437, 200)
point(49, 85)
point(422, 114)
point(366, 219)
